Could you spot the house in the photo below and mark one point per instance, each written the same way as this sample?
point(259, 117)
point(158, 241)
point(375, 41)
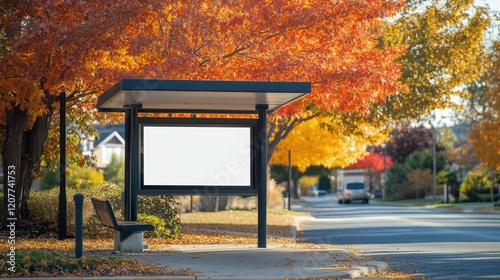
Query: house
point(110, 141)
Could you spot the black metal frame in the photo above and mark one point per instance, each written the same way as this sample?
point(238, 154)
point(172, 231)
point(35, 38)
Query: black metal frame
point(251, 189)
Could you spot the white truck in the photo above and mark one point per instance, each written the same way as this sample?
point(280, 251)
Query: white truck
point(352, 185)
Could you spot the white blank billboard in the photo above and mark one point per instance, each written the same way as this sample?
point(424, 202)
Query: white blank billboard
point(196, 156)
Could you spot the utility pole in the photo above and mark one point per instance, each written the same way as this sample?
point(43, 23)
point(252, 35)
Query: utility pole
point(289, 179)
point(434, 162)
point(384, 145)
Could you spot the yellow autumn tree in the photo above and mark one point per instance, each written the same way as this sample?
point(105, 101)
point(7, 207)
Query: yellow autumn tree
point(323, 141)
point(485, 135)
point(486, 142)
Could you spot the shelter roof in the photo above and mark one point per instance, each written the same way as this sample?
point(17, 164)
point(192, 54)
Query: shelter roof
point(189, 95)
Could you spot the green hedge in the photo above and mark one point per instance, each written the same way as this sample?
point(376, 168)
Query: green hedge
point(43, 206)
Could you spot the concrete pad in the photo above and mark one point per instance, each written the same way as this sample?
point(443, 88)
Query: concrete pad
point(250, 262)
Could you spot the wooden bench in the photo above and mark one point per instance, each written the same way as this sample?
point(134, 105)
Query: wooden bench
point(128, 234)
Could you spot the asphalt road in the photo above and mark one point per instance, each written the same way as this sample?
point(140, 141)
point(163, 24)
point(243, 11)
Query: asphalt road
point(426, 242)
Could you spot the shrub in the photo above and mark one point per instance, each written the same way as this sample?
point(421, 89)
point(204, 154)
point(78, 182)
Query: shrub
point(161, 230)
point(115, 171)
point(274, 194)
point(50, 179)
point(44, 208)
point(78, 178)
point(475, 182)
point(163, 207)
point(486, 197)
point(421, 180)
point(401, 191)
point(397, 182)
point(39, 204)
point(44, 204)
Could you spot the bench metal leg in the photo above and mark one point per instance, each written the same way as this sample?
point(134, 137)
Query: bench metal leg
point(127, 241)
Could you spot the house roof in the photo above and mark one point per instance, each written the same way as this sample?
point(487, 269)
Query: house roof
point(110, 131)
point(112, 138)
point(186, 95)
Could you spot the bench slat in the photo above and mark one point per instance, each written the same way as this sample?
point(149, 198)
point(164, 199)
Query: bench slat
point(107, 216)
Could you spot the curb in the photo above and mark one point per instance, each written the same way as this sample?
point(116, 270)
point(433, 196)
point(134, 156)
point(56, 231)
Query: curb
point(120, 278)
point(296, 227)
point(369, 268)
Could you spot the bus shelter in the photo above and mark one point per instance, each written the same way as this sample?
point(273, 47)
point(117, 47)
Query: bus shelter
point(196, 156)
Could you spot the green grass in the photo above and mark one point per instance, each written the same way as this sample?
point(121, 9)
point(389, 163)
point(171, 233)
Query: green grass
point(419, 202)
point(485, 197)
point(274, 217)
point(413, 202)
point(426, 202)
point(447, 205)
point(286, 212)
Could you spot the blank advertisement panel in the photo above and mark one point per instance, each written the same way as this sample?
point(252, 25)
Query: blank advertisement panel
point(197, 156)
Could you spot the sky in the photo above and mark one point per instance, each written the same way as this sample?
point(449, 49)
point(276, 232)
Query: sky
point(494, 4)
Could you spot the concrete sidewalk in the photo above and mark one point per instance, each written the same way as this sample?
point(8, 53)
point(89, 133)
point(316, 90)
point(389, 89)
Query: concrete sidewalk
point(250, 262)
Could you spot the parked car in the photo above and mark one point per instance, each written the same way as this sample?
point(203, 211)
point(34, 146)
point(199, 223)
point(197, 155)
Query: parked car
point(314, 191)
point(352, 190)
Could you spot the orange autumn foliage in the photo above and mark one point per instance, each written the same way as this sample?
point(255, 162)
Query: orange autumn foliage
point(83, 47)
point(75, 45)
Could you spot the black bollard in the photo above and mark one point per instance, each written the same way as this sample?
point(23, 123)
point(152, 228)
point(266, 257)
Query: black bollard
point(79, 224)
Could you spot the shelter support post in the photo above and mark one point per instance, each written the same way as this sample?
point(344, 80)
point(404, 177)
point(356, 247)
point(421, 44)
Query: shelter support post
point(126, 192)
point(262, 177)
point(61, 218)
point(131, 165)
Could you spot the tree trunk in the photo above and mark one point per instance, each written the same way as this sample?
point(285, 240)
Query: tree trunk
point(22, 149)
point(455, 192)
point(209, 203)
point(296, 188)
point(222, 203)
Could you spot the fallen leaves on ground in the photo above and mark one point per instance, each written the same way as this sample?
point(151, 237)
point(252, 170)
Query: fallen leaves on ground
point(35, 263)
point(396, 275)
